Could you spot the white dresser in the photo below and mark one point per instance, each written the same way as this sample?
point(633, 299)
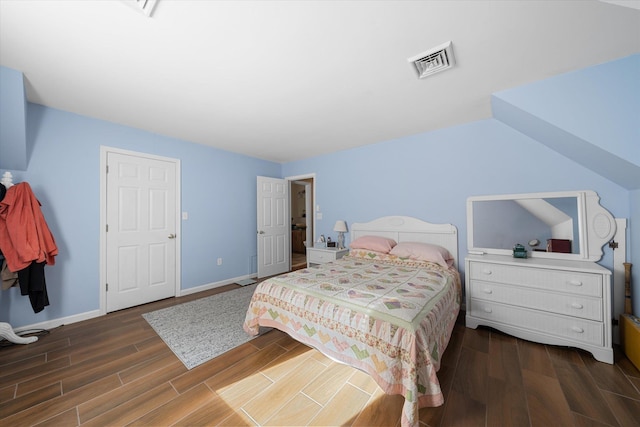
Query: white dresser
point(551, 301)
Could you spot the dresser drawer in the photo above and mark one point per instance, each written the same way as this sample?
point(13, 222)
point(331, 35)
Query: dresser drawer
point(318, 257)
point(321, 256)
point(579, 330)
point(569, 304)
point(541, 278)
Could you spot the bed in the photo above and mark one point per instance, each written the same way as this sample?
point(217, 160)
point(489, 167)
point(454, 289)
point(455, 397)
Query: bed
point(380, 309)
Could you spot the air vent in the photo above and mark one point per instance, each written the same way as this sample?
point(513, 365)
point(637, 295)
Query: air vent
point(144, 6)
point(433, 61)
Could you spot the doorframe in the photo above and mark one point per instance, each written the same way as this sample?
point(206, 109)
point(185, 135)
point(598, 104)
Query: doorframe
point(104, 150)
point(291, 179)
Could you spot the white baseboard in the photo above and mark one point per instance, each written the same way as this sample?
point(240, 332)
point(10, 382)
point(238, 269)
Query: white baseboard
point(51, 324)
point(213, 285)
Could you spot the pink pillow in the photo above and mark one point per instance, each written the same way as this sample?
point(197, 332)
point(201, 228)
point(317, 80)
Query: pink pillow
point(373, 243)
point(423, 252)
point(368, 254)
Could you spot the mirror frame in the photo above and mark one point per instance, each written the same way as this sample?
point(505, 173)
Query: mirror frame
point(596, 226)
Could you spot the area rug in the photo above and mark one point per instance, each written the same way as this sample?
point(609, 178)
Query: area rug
point(199, 330)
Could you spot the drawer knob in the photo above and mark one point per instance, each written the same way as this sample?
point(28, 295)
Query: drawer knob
point(575, 282)
point(488, 310)
point(577, 329)
point(576, 305)
point(487, 291)
point(486, 271)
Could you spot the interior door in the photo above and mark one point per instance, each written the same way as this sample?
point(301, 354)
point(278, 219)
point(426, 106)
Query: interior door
point(141, 198)
point(274, 226)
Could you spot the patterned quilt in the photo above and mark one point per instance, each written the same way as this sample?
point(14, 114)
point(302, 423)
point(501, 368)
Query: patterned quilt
point(390, 317)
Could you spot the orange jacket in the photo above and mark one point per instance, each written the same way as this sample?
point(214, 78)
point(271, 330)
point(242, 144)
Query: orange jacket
point(24, 234)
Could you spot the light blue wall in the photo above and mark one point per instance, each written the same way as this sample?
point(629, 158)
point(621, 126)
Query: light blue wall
point(593, 117)
point(13, 147)
point(599, 104)
point(218, 192)
point(429, 176)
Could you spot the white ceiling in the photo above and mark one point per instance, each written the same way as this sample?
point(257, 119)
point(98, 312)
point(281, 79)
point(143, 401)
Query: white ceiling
point(289, 80)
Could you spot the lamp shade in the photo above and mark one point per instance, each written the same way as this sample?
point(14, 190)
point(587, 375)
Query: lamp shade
point(341, 226)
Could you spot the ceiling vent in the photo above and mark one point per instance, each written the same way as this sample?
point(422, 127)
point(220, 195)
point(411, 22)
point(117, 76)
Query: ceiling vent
point(433, 61)
point(144, 6)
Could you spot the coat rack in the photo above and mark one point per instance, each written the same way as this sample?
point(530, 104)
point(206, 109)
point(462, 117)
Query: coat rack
point(6, 331)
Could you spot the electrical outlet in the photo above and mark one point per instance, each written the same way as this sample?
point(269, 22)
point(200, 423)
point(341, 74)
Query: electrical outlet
point(219, 261)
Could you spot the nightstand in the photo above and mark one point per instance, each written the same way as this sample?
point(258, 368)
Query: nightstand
point(317, 256)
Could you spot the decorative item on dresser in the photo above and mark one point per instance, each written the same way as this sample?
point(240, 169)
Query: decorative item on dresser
point(551, 297)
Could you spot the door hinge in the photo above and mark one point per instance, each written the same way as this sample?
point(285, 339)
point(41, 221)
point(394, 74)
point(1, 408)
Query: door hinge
point(107, 286)
point(107, 167)
point(106, 228)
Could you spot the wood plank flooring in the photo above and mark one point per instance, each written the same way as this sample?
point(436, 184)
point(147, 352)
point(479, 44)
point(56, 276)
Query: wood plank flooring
point(298, 261)
point(114, 370)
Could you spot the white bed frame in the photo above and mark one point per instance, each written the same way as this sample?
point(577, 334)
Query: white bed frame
point(409, 229)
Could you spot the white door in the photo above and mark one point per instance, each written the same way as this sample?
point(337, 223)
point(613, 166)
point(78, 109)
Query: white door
point(274, 226)
point(141, 198)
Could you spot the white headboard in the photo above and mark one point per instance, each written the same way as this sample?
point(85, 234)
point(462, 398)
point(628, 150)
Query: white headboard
point(408, 229)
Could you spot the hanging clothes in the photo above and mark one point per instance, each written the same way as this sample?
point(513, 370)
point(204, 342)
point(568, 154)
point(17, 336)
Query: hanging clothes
point(32, 282)
point(26, 242)
point(8, 277)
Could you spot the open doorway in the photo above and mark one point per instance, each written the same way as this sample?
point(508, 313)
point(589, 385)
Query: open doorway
point(302, 219)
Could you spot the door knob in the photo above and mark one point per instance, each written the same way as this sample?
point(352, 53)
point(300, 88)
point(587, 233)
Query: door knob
point(172, 236)
point(260, 232)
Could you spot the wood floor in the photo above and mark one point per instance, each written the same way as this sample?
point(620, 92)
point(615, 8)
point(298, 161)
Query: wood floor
point(298, 260)
point(114, 370)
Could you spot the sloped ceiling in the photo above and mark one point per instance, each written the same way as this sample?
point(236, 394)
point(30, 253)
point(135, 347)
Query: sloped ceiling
point(288, 80)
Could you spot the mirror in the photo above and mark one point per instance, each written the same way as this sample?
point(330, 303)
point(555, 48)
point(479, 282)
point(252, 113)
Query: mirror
point(564, 225)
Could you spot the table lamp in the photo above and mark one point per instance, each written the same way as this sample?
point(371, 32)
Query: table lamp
point(341, 228)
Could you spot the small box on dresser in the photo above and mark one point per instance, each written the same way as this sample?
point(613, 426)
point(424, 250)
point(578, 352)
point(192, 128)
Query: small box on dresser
point(550, 301)
point(559, 245)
